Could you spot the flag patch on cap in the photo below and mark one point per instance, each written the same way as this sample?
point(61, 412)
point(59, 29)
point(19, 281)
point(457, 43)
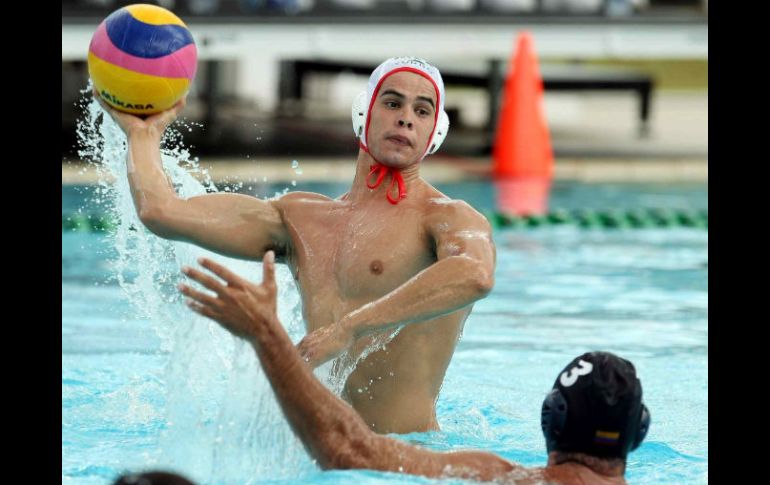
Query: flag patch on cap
point(607, 437)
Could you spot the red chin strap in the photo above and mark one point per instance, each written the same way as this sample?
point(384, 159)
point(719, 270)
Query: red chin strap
point(381, 171)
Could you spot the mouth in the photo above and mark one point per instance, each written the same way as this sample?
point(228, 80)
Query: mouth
point(399, 140)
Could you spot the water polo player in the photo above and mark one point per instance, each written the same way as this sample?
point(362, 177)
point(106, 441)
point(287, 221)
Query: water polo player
point(393, 252)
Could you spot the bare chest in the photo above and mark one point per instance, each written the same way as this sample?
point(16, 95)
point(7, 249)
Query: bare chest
point(358, 254)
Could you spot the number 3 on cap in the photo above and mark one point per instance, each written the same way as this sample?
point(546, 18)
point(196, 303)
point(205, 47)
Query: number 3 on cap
point(570, 377)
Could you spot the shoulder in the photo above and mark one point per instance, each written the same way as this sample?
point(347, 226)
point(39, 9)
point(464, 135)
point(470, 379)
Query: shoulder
point(301, 196)
point(453, 213)
point(295, 199)
point(483, 465)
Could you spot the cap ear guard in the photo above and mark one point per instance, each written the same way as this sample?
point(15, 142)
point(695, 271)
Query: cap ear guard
point(553, 418)
point(359, 114)
point(644, 427)
point(442, 127)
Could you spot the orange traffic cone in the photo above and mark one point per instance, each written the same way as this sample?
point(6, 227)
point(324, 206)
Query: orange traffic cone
point(522, 145)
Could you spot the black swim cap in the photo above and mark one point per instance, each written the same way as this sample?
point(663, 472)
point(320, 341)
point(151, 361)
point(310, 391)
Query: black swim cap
point(595, 407)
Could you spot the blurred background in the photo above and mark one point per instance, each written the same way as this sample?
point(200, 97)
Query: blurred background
point(626, 81)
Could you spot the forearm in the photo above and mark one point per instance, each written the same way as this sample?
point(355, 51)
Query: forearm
point(336, 436)
point(330, 429)
point(150, 187)
point(444, 287)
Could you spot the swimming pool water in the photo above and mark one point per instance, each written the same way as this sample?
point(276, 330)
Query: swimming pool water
point(559, 291)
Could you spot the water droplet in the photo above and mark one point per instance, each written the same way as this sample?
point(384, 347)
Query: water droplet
point(294, 164)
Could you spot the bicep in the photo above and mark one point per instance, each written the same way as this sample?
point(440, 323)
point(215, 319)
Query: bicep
point(234, 225)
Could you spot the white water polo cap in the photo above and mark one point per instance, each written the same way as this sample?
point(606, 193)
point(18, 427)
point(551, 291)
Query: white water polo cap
point(362, 106)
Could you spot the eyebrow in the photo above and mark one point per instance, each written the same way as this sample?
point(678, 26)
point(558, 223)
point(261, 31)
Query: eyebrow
point(401, 96)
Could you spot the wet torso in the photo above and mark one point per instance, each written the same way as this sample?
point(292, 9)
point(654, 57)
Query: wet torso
point(345, 255)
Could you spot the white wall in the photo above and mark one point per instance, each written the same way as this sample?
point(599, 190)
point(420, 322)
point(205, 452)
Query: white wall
point(258, 48)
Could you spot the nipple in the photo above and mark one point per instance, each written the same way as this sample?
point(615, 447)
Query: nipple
point(376, 267)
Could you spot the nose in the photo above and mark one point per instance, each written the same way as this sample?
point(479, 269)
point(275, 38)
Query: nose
point(408, 124)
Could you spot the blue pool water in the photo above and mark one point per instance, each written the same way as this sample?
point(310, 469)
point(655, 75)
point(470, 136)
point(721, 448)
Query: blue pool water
point(146, 384)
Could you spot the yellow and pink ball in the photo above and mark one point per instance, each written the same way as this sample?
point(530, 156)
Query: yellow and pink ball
point(142, 59)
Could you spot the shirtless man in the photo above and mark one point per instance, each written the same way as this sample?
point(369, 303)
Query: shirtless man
point(592, 418)
point(393, 251)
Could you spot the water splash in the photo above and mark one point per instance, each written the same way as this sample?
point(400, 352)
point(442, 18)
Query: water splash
point(335, 373)
point(222, 422)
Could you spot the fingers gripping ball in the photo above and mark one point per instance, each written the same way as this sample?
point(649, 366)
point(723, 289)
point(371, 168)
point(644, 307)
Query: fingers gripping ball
point(142, 59)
